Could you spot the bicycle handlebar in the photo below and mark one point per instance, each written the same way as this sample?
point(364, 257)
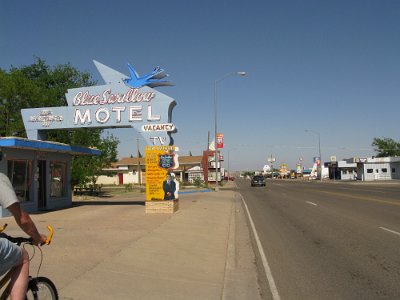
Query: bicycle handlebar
point(50, 236)
point(20, 240)
point(2, 228)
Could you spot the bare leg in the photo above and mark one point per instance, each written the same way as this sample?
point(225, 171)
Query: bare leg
point(19, 278)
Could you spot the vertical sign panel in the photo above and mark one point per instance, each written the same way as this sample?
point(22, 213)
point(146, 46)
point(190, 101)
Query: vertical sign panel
point(159, 160)
point(220, 140)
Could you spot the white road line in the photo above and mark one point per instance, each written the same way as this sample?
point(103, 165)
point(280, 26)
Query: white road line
point(312, 203)
point(364, 190)
point(392, 231)
point(268, 273)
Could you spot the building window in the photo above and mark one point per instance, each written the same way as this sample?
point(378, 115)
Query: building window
point(194, 176)
point(384, 170)
point(57, 178)
point(393, 170)
point(19, 172)
point(370, 170)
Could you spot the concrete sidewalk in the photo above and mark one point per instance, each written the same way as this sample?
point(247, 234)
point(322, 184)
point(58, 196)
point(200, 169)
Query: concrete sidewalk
point(111, 249)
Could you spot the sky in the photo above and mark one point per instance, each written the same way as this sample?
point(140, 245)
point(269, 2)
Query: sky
point(330, 67)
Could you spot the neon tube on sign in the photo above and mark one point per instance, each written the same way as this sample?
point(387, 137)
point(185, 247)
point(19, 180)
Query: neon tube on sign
point(102, 115)
point(131, 96)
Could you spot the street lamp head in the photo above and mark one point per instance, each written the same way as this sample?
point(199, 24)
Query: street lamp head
point(241, 73)
point(312, 131)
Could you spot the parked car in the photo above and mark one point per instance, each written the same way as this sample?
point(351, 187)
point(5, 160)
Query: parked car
point(258, 180)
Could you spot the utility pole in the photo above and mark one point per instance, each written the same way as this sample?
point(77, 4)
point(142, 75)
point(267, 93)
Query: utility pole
point(138, 166)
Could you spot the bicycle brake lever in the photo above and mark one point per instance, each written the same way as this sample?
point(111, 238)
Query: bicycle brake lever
point(3, 227)
point(50, 236)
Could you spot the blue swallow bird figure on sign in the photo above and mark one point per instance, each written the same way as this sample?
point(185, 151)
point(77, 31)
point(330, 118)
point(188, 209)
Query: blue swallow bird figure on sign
point(152, 79)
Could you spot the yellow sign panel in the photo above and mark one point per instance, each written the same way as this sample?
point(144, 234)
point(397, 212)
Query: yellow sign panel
point(159, 159)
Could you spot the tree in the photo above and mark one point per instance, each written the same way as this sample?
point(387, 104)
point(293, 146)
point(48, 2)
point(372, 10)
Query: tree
point(248, 174)
point(37, 85)
point(88, 169)
point(40, 85)
point(386, 147)
point(16, 92)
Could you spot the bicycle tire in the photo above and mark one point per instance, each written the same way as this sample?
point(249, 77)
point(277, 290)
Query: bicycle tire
point(41, 288)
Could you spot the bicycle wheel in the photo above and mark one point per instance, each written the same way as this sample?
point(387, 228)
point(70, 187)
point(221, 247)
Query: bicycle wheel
point(41, 288)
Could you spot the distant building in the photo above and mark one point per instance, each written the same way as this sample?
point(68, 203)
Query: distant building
point(378, 168)
point(133, 170)
point(347, 170)
point(367, 169)
point(194, 173)
point(126, 170)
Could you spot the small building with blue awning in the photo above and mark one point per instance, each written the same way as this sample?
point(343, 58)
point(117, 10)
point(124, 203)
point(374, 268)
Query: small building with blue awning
point(40, 171)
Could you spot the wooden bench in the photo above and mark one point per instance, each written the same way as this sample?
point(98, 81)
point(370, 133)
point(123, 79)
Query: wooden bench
point(87, 190)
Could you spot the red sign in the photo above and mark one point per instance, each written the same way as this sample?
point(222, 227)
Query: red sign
point(220, 140)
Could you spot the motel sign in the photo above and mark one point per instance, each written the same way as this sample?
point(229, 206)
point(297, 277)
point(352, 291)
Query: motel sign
point(124, 101)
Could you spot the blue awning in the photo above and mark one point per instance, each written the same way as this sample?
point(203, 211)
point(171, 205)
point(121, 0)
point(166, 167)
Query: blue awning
point(21, 143)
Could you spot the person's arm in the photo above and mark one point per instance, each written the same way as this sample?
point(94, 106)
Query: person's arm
point(174, 187)
point(25, 222)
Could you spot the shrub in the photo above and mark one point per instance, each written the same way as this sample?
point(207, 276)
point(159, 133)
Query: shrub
point(198, 182)
point(128, 187)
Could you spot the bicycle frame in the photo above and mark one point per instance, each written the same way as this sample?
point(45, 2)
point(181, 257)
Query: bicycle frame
point(7, 277)
point(3, 282)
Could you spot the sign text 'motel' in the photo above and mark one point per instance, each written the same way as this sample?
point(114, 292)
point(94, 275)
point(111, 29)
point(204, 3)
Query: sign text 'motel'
point(122, 102)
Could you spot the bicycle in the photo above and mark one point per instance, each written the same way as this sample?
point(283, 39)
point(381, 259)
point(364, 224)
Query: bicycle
point(39, 288)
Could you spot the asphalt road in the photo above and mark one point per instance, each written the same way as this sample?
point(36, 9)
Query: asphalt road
point(328, 240)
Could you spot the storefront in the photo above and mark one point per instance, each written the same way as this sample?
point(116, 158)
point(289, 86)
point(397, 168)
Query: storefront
point(378, 168)
point(39, 172)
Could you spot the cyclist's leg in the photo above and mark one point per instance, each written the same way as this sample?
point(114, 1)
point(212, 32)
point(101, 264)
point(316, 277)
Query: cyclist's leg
point(17, 259)
point(10, 255)
point(19, 278)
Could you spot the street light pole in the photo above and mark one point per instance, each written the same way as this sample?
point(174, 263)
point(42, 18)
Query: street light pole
point(271, 160)
point(319, 150)
point(215, 122)
point(229, 169)
point(138, 165)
